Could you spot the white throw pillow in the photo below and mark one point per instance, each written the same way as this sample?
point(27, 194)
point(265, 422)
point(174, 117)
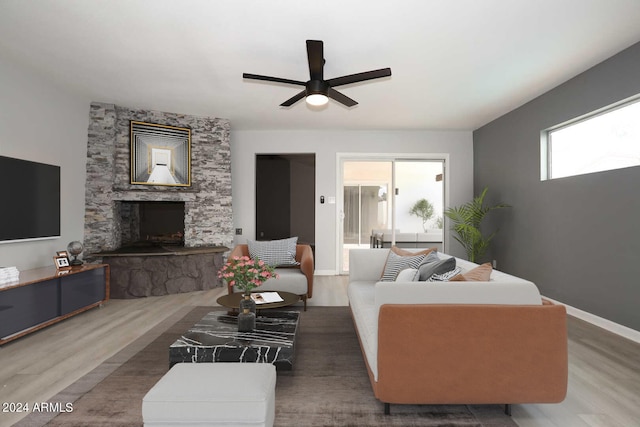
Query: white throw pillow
point(408, 275)
point(274, 252)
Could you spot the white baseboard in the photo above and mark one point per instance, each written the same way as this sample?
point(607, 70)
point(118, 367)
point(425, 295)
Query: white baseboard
point(325, 273)
point(608, 325)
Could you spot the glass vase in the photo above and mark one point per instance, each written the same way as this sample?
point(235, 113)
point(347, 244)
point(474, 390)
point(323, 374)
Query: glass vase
point(247, 302)
point(246, 321)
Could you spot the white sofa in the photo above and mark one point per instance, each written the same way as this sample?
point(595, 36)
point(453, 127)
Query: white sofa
point(419, 339)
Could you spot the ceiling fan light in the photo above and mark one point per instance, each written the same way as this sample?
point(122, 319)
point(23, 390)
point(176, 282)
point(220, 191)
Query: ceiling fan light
point(317, 99)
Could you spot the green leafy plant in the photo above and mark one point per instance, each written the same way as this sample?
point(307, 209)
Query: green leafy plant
point(466, 224)
point(423, 209)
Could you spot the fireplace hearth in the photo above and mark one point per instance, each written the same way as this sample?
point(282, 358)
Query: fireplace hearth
point(151, 269)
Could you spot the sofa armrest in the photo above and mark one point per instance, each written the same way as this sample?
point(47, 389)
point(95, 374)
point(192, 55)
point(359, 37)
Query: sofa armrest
point(463, 354)
point(240, 250)
point(304, 255)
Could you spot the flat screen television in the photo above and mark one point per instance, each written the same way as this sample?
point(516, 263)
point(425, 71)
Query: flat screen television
point(30, 195)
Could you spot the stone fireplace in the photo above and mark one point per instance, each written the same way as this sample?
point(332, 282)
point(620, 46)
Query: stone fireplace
point(197, 219)
point(208, 214)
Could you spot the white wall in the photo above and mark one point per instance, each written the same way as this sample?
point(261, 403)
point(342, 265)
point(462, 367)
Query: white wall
point(42, 122)
point(327, 144)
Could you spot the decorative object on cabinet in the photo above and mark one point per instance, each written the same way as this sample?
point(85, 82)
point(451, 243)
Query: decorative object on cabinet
point(75, 248)
point(9, 275)
point(61, 262)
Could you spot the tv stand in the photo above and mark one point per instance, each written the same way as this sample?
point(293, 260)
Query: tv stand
point(44, 296)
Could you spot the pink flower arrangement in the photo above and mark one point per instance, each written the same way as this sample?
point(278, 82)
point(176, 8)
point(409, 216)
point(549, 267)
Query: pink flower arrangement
point(246, 273)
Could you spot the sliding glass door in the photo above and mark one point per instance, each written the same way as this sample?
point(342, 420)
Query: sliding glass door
point(391, 201)
point(366, 205)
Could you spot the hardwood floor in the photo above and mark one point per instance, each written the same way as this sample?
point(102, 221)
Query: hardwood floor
point(604, 369)
point(604, 383)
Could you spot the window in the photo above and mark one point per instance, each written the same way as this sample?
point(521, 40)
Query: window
point(606, 140)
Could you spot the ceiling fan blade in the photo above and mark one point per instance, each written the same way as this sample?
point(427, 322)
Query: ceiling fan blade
point(289, 102)
point(359, 77)
point(272, 79)
point(343, 99)
point(315, 54)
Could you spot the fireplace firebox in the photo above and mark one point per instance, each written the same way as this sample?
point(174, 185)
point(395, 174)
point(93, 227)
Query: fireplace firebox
point(151, 222)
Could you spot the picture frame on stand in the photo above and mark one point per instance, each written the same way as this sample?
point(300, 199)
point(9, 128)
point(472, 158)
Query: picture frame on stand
point(62, 262)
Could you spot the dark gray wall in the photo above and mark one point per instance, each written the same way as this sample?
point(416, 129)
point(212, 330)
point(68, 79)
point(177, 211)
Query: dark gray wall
point(577, 238)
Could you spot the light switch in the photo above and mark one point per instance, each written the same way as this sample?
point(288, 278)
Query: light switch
point(331, 200)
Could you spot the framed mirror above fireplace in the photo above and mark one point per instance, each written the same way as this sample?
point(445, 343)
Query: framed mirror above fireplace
point(160, 155)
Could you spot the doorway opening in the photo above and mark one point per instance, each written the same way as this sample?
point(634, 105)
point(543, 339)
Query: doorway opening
point(285, 197)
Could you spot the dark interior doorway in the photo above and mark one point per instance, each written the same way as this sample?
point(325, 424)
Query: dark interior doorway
point(285, 197)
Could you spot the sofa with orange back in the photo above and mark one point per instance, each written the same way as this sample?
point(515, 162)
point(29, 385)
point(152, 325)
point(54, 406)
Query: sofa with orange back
point(484, 338)
point(297, 279)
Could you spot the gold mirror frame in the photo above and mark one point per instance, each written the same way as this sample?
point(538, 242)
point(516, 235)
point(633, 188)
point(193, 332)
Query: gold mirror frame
point(160, 155)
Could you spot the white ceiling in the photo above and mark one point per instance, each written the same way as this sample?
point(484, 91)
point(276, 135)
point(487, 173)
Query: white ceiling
point(456, 64)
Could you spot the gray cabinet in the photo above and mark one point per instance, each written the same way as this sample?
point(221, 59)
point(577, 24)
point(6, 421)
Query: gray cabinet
point(45, 296)
point(81, 290)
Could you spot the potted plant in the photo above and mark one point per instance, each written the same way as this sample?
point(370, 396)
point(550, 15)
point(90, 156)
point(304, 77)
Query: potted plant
point(424, 210)
point(466, 224)
point(245, 273)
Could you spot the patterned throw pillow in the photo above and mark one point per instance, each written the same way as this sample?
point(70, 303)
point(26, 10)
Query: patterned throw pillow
point(445, 277)
point(396, 263)
point(428, 269)
point(275, 252)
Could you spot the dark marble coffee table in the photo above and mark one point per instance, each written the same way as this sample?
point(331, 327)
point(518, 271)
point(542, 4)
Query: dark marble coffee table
point(215, 338)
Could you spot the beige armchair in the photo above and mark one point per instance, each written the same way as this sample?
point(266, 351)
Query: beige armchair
point(297, 279)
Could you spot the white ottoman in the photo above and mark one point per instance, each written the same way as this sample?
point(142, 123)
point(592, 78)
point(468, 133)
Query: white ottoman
point(213, 394)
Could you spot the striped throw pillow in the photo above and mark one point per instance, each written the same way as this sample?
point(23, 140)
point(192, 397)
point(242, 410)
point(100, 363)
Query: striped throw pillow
point(444, 277)
point(396, 263)
point(275, 253)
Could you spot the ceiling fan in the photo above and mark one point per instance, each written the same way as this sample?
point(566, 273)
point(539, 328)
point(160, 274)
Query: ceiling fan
point(317, 89)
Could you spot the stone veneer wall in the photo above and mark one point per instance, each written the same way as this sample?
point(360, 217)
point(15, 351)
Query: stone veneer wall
point(208, 210)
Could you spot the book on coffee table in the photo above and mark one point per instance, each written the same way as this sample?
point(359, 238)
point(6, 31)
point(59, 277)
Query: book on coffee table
point(266, 297)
